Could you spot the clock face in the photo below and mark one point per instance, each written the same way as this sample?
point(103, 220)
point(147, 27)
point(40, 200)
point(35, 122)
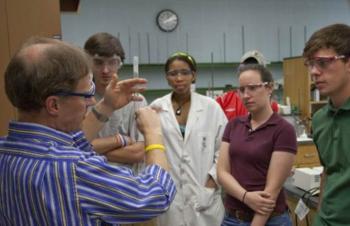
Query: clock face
point(167, 20)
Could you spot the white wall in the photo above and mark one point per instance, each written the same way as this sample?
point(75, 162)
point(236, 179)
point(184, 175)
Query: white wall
point(278, 28)
point(266, 25)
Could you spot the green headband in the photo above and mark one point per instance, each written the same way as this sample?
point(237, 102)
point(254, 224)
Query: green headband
point(189, 57)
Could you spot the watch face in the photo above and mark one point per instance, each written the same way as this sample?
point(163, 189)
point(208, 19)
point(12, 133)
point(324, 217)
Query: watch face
point(167, 20)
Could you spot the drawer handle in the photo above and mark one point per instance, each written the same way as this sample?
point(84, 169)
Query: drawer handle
point(310, 155)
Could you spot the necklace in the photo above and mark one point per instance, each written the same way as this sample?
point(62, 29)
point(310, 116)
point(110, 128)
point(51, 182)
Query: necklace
point(178, 110)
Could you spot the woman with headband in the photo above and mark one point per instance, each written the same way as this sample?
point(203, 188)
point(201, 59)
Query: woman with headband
point(192, 125)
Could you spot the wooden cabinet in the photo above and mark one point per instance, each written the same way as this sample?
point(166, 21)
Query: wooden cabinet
point(7, 111)
point(307, 155)
point(20, 19)
point(299, 88)
point(307, 221)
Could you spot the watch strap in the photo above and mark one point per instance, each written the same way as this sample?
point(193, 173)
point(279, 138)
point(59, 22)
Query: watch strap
point(99, 116)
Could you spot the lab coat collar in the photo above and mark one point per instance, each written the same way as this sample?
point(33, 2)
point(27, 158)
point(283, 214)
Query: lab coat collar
point(193, 116)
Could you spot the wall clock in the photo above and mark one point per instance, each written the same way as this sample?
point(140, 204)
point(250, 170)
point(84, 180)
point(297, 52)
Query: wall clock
point(167, 20)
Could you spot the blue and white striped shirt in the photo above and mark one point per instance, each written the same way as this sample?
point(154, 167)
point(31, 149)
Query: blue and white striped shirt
point(53, 178)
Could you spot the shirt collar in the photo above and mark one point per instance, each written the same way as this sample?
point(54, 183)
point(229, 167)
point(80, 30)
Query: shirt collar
point(25, 130)
point(331, 109)
point(273, 120)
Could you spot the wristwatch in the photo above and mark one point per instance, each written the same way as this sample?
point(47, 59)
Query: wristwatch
point(100, 117)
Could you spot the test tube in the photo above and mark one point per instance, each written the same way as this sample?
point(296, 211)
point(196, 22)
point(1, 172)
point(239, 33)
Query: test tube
point(135, 67)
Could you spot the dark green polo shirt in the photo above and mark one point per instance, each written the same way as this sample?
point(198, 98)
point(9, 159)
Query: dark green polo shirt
point(331, 134)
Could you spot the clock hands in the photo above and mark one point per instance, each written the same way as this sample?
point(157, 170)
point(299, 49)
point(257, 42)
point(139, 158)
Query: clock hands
point(170, 19)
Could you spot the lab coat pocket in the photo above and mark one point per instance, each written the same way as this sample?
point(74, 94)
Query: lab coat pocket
point(205, 198)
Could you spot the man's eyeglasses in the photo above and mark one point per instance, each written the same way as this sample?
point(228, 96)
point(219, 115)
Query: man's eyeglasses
point(322, 62)
point(251, 88)
point(113, 63)
point(174, 73)
point(87, 95)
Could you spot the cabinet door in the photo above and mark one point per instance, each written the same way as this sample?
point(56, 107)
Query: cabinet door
point(7, 111)
point(307, 156)
point(297, 84)
point(28, 18)
point(19, 20)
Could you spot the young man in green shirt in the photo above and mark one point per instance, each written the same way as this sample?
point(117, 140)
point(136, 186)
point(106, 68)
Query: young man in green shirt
point(327, 56)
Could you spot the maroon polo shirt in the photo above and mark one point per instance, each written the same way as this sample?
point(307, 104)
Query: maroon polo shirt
point(250, 154)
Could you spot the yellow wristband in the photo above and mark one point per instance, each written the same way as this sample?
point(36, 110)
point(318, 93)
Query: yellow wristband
point(154, 147)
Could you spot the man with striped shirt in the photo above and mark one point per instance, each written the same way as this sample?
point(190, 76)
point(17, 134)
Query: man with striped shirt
point(49, 175)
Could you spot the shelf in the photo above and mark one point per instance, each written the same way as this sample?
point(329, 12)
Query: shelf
point(318, 102)
point(205, 64)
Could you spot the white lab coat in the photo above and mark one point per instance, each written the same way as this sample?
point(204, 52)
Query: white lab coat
point(192, 160)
